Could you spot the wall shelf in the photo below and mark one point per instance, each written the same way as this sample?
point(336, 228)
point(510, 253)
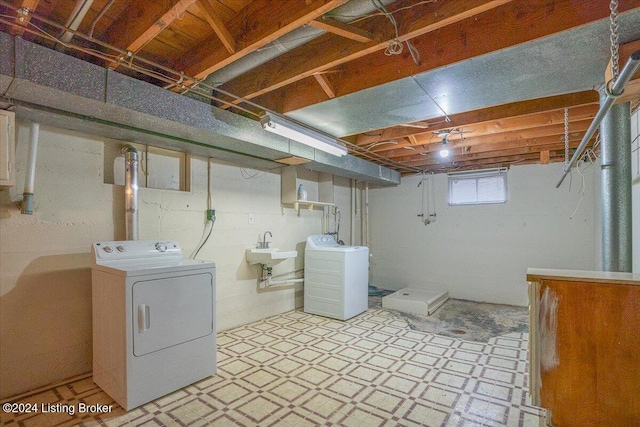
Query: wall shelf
point(309, 204)
point(289, 190)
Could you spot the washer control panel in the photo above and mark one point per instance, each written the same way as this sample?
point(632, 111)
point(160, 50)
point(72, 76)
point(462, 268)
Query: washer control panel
point(322, 240)
point(131, 249)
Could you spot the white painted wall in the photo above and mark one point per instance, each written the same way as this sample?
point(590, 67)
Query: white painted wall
point(482, 252)
point(45, 276)
point(635, 189)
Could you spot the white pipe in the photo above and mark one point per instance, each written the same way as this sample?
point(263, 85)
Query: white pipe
point(282, 282)
point(27, 200)
point(366, 215)
point(353, 213)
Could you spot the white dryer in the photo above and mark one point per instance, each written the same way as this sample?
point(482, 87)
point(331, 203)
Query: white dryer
point(336, 278)
point(154, 320)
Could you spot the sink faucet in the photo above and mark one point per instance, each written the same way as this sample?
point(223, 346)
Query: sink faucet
point(265, 244)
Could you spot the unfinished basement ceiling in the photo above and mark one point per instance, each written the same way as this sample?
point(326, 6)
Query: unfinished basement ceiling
point(496, 74)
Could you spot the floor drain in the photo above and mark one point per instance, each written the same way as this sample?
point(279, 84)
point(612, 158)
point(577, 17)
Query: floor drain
point(458, 331)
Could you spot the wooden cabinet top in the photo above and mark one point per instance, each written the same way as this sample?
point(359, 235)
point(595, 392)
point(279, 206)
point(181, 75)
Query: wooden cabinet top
point(609, 277)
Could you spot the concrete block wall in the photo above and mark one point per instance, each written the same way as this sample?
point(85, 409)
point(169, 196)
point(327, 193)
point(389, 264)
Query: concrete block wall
point(45, 275)
point(482, 252)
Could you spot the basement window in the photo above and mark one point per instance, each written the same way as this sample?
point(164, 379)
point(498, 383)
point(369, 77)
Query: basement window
point(157, 167)
point(476, 188)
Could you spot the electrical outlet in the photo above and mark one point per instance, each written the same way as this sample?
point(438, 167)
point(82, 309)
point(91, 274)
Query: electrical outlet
point(251, 219)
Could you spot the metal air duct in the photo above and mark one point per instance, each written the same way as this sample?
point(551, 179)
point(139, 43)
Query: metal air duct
point(615, 172)
point(346, 13)
point(131, 191)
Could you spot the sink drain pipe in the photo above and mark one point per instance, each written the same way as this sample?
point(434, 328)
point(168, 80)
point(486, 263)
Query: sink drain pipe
point(27, 196)
point(131, 191)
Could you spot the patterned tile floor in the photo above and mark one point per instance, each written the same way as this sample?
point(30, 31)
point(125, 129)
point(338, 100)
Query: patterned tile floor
point(297, 369)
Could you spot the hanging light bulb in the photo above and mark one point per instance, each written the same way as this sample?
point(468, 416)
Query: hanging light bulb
point(444, 150)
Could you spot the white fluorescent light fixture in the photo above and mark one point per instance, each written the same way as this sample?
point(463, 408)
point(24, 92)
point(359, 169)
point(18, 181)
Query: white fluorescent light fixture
point(302, 134)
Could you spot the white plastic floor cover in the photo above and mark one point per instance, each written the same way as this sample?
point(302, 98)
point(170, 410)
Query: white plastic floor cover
point(418, 301)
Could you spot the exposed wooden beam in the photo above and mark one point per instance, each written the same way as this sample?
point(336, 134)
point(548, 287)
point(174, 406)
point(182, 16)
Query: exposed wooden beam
point(343, 30)
point(532, 121)
point(457, 156)
point(217, 25)
point(455, 42)
point(327, 51)
point(252, 29)
point(26, 8)
point(520, 137)
point(544, 157)
point(162, 23)
point(532, 143)
point(326, 85)
point(470, 118)
point(141, 21)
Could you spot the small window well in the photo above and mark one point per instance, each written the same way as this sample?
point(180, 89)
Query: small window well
point(476, 188)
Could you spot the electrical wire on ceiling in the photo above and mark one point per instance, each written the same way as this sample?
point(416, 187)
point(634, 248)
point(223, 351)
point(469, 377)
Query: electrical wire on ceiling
point(172, 77)
point(358, 18)
point(395, 46)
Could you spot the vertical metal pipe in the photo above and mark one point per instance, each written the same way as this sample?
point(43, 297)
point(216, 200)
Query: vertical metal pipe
point(131, 192)
point(615, 172)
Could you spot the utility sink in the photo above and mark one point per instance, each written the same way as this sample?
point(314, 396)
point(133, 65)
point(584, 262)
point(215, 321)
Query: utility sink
point(269, 256)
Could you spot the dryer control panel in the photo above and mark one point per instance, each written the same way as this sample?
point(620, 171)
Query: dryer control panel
point(136, 249)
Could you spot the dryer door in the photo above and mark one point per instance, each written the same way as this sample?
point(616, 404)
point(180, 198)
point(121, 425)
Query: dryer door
point(171, 311)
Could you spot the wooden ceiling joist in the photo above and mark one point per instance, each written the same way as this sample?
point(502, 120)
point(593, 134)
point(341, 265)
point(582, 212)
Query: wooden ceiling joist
point(343, 30)
point(217, 25)
point(252, 29)
point(512, 124)
point(143, 21)
point(544, 157)
point(26, 8)
point(515, 109)
point(454, 43)
point(328, 52)
point(535, 144)
point(326, 85)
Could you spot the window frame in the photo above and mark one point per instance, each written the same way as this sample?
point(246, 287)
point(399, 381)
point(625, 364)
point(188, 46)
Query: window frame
point(477, 176)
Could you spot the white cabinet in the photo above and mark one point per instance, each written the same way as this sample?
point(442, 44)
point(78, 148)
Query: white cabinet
point(289, 190)
point(7, 149)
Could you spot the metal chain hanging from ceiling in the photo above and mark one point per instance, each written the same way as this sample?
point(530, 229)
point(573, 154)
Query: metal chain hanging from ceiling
point(615, 57)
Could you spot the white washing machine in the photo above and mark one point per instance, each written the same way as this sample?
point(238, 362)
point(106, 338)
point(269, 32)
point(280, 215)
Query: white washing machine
point(336, 278)
point(154, 320)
